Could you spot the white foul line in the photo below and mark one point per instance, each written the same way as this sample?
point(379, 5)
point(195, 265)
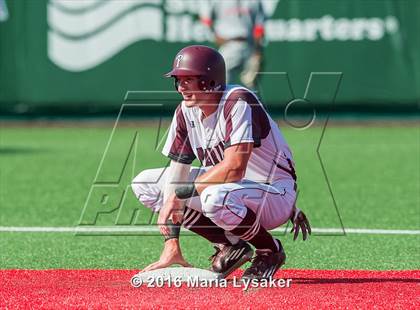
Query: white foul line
point(153, 228)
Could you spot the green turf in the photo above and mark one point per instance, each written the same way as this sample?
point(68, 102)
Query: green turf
point(47, 174)
point(45, 251)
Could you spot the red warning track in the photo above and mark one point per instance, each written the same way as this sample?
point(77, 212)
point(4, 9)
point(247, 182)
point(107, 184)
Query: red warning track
point(111, 288)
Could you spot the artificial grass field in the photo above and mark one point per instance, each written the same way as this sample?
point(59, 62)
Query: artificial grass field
point(47, 173)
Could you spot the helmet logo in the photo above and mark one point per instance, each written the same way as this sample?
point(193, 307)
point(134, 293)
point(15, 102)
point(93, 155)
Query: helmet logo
point(178, 60)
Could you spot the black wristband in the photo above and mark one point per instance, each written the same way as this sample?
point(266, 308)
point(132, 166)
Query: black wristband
point(186, 191)
point(174, 230)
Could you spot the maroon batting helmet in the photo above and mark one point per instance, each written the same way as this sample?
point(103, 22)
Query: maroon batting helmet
point(202, 61)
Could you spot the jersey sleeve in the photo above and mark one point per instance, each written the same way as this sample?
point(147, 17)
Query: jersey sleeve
point(177, 146)
point(206, 12)
point(246, 119)
point(238, 123)
point(259, 21)
point(260, 16)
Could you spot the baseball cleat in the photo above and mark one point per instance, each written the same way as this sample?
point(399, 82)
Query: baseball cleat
point(228, 258)
point(265, 264)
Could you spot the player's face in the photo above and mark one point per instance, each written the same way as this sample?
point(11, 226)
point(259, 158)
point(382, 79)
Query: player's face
point(188, 87)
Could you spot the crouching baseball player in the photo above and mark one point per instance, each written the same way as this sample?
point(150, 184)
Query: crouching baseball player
point(247, 182)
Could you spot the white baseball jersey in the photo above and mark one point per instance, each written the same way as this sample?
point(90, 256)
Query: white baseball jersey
point(239, 118)
point(233, 18)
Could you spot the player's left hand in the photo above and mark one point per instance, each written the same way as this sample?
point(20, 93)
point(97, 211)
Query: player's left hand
point(300, 222)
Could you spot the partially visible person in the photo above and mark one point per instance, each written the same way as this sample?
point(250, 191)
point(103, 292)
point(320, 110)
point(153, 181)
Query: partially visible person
point(238, 28)
point(4, 13)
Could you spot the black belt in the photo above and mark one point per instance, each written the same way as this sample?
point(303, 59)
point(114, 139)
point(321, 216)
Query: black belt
point(240, 39)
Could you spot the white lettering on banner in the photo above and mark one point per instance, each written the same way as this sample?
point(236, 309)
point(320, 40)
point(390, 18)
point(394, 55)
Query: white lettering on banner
point(83, 35)
point(269, 7)
point(182, 28)
point(327, 28)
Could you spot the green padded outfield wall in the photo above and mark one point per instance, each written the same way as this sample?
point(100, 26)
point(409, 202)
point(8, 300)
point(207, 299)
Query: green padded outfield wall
point(61, 52)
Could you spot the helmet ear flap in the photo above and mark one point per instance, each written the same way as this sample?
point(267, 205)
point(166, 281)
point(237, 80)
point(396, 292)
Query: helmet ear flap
point(207, 85)
point(203, 85)
point(176, 83)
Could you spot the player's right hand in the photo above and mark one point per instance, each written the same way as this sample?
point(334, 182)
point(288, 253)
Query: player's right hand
point(171, 255)
point(172, 209)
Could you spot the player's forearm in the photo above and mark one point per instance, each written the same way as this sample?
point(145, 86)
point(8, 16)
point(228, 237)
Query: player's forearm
point(170, 214)
point(223, 172)
point(231, 169)
point(177, 174)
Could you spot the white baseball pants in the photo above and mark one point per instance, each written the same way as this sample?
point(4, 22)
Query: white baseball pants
point(225, 204)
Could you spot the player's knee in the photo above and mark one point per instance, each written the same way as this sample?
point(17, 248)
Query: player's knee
point(141, 186)
point(212, 199)
point(137, 184)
